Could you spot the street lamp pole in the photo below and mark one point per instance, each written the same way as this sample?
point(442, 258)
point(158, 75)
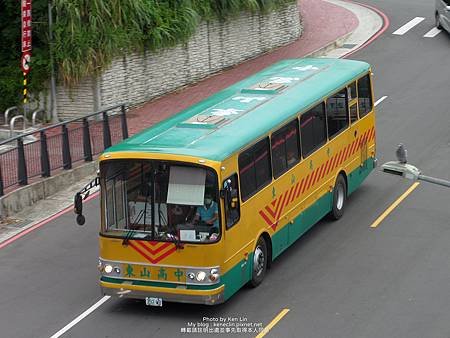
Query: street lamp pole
point(53, 102)
point(402, 168)
point(434, 180)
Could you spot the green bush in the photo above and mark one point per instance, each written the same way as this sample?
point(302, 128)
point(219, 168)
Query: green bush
point(88, 34)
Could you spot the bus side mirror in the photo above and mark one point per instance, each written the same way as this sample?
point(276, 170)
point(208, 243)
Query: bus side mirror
point(81, 220)
point(78, 209)
point(78, 199)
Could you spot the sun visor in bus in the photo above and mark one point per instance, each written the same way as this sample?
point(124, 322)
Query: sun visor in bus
point(186, 186)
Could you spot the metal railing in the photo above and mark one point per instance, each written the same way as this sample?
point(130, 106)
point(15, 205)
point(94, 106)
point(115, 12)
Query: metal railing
point(13, 122)
point(35, 115)
point(60, 145)
point(8, 112)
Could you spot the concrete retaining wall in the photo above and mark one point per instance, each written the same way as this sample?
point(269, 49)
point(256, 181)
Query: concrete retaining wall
point(26, 196)
point(138, 77)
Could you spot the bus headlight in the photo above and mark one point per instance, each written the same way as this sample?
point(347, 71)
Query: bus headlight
point(108, 268)
point(214, 275)
point(205, 276)
point(117, 269)
point(201, 275)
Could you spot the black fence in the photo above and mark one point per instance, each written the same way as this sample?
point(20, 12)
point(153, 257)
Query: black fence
point(42, 151)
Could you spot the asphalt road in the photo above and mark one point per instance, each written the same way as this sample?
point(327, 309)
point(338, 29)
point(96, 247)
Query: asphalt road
point(342, 279)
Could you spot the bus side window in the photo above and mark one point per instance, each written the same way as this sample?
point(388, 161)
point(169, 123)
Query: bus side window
point(337, 113)
point(255, 168)
point(353, 102)
point(313, 129)
point(285, 148)
point(364, 96)
point(231, 199)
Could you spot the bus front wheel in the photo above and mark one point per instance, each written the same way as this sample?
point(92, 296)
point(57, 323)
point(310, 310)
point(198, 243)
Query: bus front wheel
point(259, 263)
point(339, 198)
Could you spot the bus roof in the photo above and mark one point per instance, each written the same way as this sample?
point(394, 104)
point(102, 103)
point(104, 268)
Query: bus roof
point(235, 117)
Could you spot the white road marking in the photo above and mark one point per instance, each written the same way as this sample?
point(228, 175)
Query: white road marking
point(432, 33)
point(381, 99)
point(406, 27)
point(80, 317)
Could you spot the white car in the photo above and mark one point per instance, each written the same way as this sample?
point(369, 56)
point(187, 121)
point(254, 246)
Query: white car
point(442, 14)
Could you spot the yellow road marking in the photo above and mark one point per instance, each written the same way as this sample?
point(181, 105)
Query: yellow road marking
point(394, 205)
point(273, 323)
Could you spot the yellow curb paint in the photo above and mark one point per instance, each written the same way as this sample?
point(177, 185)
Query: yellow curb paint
point(394, 205)
point(272, 323)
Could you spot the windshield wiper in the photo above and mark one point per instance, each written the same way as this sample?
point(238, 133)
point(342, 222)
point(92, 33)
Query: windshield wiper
point(128, 236)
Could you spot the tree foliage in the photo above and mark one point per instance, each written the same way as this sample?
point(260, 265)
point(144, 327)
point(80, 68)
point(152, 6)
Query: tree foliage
point(88, 34)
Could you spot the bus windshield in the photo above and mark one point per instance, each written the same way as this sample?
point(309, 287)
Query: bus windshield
point(160, 201)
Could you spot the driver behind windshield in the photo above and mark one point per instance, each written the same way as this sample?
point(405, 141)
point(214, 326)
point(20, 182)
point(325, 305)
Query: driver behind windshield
point(208, 213)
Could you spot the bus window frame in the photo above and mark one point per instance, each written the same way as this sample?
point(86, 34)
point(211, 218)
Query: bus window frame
point(353, 101)
point(371, 96)
point(266, 138)
point(344, 88)
point(325, 141)
point(282, 130)
point(225, 207)
point(106, 233)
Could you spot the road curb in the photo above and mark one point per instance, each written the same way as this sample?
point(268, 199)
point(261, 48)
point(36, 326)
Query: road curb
point(331, 46)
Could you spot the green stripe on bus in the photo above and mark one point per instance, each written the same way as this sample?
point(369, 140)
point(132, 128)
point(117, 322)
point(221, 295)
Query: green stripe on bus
point(283, 238)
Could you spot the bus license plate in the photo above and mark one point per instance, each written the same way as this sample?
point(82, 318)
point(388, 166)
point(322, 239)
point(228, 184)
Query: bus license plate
point(153, 301)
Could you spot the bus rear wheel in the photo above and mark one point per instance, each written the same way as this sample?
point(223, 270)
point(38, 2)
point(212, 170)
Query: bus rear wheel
point(259, 263)
point(339, 198)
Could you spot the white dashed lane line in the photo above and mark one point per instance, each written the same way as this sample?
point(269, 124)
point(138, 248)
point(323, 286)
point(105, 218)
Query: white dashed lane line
point(406, 27)
point(381, 99)
point(432, 33)
point(80, 317)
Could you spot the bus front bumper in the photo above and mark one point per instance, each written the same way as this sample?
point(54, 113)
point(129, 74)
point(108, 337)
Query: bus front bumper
point(181, 295)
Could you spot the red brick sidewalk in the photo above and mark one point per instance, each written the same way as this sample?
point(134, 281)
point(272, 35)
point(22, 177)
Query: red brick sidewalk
point(323, 24)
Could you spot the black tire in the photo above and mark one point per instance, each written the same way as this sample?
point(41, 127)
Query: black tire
point(438, 21)
point(259, 265)
point(339, 198)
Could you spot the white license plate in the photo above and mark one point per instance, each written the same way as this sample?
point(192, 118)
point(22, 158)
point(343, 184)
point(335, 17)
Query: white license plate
point(153, 301)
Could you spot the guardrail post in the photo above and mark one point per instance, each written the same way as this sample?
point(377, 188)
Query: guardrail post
point(1, 182)
point(45, 161)
point(67, 160)
point(87, 141)
point(123, 119)
point(21, 163)
point(106, 131)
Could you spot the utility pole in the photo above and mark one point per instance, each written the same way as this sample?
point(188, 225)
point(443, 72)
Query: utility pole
point(53, 102)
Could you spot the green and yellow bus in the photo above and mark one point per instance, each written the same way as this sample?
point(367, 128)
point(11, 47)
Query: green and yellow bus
point(200, 204)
